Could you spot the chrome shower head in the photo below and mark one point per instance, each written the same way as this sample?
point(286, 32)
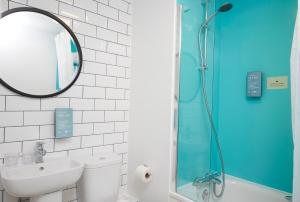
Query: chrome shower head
point(225, 7)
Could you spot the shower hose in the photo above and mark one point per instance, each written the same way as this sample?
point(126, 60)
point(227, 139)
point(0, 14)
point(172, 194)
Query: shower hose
point(214, 131)
point(209, 113)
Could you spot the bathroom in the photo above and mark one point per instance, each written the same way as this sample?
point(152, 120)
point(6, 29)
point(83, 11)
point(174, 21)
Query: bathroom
point(173, 100)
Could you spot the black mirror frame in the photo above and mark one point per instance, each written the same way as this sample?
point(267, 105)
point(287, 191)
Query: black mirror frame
point(36, 10)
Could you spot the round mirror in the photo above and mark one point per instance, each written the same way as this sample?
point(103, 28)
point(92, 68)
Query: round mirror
point(39, 56)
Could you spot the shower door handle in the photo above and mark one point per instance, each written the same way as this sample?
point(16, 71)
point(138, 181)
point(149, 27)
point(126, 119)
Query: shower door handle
point(175, 119)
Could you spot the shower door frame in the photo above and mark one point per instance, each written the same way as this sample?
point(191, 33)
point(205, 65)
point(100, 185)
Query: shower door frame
point(173, 195)
point(174, 140)
point(175, 99)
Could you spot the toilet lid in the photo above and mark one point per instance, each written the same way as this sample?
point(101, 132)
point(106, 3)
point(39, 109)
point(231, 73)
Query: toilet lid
point(101, 160)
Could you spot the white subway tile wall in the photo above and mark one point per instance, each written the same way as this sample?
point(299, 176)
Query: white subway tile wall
point(100, 97)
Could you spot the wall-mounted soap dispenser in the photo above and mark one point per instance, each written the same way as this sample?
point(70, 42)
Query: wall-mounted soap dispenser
point(63, 123)
point(254, 84)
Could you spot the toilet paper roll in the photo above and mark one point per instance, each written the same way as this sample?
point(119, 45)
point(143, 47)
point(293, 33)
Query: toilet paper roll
point(144, 174)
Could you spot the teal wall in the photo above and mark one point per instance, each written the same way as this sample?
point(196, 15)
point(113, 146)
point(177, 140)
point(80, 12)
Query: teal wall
point(255, 134)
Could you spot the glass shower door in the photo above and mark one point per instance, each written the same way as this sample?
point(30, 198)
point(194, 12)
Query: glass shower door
point(194, 132)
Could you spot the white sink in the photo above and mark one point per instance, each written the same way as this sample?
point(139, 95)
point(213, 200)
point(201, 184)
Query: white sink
point(40, 179)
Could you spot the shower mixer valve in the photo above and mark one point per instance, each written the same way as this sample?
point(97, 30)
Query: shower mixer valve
point(211, 177)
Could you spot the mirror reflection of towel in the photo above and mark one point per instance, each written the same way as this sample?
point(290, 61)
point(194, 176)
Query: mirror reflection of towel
point(64, 60)
point(74, 51)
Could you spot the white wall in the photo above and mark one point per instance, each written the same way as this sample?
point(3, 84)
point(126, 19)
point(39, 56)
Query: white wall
point(100, 98)
point(295, 101)
point(152, 96)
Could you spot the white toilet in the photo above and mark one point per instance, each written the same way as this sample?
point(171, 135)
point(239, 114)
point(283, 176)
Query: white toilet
point(100, 180)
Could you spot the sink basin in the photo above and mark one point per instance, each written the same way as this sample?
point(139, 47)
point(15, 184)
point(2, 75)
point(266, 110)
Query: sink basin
point(38, 179)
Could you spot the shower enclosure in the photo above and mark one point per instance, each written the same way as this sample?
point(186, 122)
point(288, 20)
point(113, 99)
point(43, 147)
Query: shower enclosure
point(255, 133)
point(194, 130)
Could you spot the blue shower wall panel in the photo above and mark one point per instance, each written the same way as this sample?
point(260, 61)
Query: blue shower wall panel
point(255, 134)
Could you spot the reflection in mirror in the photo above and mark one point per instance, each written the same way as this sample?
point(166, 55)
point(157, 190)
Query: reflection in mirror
point(39, 54)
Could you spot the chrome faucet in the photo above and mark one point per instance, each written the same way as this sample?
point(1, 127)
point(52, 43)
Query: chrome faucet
point(289, 198)
point(40, 152)
point(208, 178)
